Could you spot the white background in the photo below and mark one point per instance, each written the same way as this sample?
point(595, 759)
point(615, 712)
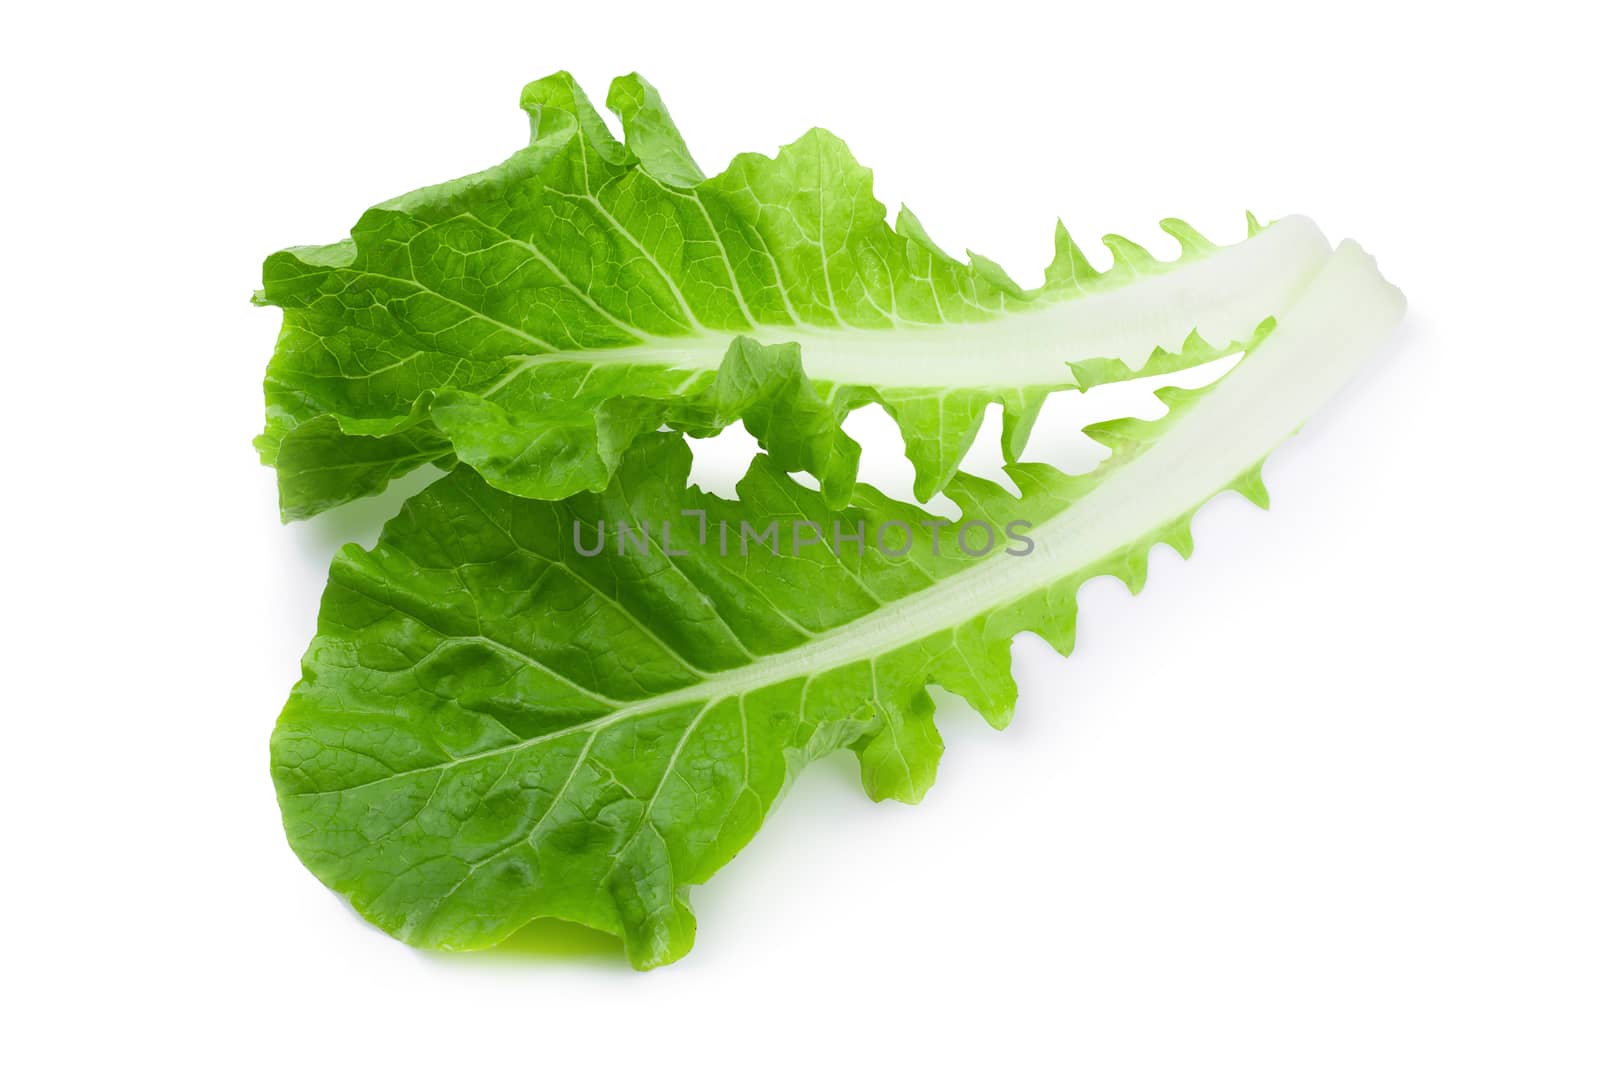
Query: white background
point(1326, 794)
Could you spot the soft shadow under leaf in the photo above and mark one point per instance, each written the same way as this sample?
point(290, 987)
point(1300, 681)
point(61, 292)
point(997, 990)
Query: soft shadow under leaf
point(543, 939)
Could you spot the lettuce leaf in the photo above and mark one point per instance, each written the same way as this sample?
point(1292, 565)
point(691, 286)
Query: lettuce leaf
point(494, 726)
point(532, 320)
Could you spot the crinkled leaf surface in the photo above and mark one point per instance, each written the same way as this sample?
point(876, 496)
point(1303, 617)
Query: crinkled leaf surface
point(493, 726)
point(533, 319)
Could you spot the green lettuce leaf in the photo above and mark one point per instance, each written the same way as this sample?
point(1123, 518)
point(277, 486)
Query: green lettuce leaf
point(493, 725)
point(534, 319)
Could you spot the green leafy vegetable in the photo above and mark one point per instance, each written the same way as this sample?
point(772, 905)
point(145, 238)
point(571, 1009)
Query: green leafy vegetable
point(534, 319)
point(494, 725)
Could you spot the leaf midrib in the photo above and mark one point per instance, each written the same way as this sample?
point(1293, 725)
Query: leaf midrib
point(1222, 434)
